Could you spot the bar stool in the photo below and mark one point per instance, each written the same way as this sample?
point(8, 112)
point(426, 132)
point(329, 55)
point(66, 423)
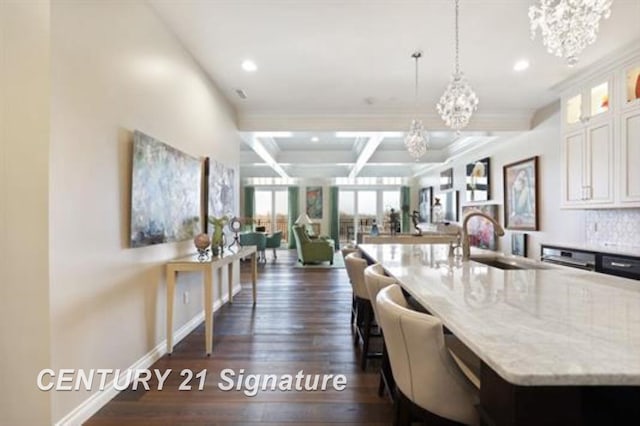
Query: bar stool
point(346, 250)
point(364, 312)
point(375, 280)
point(428, 379)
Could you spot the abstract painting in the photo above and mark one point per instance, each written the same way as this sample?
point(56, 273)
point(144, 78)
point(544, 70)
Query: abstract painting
point(222, 192)
point(165, 193)
point(314, 202)
point(424, 204)
point(477, 180)
point(521, 195)
point(481, 230)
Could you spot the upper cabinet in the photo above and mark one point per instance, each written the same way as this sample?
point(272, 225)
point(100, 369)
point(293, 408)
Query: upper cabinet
point(601, 139)
point(588, 103)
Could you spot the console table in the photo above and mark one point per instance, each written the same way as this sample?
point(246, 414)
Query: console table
point(193, 263)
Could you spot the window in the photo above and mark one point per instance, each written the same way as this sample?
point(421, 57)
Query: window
point(272, 211)
point(359, 208)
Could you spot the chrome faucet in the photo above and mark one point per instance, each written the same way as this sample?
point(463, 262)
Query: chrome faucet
point(466, 251)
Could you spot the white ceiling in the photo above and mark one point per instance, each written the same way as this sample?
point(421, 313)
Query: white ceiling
point(326, 66)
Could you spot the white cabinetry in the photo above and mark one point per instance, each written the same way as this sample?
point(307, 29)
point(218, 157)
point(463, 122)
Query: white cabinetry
point(601, 138)
point(588, 148)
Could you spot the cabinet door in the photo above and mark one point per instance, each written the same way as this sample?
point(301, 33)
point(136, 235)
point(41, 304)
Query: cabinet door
point(574, 168)
point(630, 157)
point(599, 183)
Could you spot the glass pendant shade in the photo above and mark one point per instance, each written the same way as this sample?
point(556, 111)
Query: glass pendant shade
point(568, 26)
point(417, 139)
point(459, 101)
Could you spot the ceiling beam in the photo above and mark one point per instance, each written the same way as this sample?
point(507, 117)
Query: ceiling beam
point(366, 153)
point(267, 155)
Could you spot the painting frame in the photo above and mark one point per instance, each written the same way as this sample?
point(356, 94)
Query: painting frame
point(520, 181)
point(480, 231)
point(446, 179)
point(425, 200)
point(314, 202)
point(478, 180)
point(450, 201)
point(519, 244)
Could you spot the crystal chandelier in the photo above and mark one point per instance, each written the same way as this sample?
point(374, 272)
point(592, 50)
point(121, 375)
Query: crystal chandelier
point(459, 101)
point(568, 26)
point(416, 140)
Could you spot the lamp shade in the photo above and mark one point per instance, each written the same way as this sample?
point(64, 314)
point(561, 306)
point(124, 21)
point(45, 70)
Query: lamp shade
point(303, 219)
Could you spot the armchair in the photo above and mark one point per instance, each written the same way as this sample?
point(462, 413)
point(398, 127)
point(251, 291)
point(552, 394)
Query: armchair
point(320, 250)
point(273, 242)
point(257, 239)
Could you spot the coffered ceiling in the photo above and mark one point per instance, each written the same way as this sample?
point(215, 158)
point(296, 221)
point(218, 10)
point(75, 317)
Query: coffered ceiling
point(326, 66)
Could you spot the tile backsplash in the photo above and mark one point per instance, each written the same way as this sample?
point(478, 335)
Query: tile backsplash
point(620, 227)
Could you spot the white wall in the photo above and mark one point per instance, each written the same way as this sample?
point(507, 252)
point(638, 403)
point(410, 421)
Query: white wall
point(24, 211)
point(117, 68)
point(555, 225)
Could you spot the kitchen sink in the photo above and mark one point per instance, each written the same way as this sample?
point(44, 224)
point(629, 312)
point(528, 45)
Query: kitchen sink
point(507, 264)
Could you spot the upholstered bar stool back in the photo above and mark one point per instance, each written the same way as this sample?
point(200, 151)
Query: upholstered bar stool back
point(356, 265)
point(375, 280)
point(423, 369)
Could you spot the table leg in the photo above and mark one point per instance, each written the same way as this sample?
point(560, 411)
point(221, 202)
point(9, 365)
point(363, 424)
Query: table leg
point(208, 310)
point(254, 274)
point(230, 275)
point(171, 292)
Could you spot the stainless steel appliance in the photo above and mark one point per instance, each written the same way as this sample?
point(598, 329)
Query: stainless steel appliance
point(569, 257)
point(621, 266)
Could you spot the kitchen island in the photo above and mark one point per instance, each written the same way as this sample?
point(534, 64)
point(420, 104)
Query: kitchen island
point(557, 345)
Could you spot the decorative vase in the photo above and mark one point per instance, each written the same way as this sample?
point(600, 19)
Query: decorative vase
point(214, 250)
point(638, 87)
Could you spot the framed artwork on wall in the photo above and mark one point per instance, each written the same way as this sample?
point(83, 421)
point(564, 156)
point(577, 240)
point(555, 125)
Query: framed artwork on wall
point(449, 202)
point(478, 182)
point(446, 180)
point(519, 244)
point(314, 202)
point(521, 195)
point(479, 229)
point(425, 198)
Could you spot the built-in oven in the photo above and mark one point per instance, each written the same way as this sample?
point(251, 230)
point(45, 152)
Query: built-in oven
point(569, 257)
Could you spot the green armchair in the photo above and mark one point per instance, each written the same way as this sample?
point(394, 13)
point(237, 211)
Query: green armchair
point(257, 239)
point(273, 242)
point(309, 251)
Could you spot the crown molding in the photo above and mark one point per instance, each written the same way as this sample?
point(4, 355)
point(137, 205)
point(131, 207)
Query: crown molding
point(489, 121)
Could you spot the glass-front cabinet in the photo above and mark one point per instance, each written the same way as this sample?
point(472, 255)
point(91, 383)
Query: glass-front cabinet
point(631, 87)
point(590, 102)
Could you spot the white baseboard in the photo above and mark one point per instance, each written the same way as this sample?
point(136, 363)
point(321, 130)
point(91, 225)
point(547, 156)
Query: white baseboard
point(99, 399)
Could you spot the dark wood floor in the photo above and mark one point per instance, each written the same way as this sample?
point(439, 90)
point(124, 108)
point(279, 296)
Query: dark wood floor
point(301, 322)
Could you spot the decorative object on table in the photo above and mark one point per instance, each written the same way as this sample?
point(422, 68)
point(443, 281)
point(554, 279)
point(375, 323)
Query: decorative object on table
point(424, 204)
point(446, 179)
point(478, 180)
point(521, 195)
point(314, 202)
point(568, 26)
point(165, 193)
point(480, 231)
point(416, 139)
point(394, 221)
point(415, 218)
point(221, 190)
point(217, 238)
point(449, 201)
point(235, 226)
point(459, 101)
point(633, 84)
point(519, 244)
point(437, 215)
point(202, 242)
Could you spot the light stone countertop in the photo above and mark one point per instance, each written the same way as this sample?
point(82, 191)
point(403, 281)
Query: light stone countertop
point(552, 326)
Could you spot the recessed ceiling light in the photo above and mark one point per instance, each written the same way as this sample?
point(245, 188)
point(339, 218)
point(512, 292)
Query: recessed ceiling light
point(521, 65)
point(249, 66)
point(315, 139)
